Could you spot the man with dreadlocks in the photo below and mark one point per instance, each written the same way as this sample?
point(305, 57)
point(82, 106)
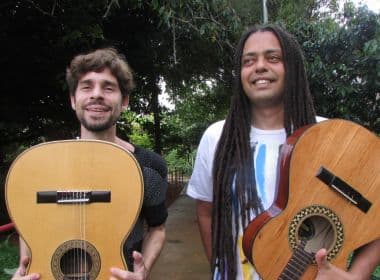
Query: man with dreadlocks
point(235, 171)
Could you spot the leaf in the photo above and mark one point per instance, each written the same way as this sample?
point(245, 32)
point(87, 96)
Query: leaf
point(10, 271)
point(202, 29)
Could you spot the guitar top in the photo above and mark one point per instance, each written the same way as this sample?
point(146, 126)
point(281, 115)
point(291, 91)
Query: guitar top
point(327, 197)
point(74, 203)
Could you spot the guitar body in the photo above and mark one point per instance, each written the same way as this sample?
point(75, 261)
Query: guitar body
point(74, 203)
point(306, 207)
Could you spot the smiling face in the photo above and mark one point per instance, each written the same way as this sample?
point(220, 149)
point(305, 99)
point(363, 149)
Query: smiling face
point(262, 70)
point(98, 101)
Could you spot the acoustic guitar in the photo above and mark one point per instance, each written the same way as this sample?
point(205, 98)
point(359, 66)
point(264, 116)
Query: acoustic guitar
point(328, 196)
point(74, 203)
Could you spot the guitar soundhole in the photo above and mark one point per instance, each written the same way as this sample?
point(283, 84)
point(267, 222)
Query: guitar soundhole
point(320, 227)
point(75, 260)
point(76, 264)
point(319, 233)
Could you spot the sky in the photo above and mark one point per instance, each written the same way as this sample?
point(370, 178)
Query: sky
point(373, 5)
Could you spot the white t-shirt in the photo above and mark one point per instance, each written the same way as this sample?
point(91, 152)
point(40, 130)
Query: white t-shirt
point(267, 147)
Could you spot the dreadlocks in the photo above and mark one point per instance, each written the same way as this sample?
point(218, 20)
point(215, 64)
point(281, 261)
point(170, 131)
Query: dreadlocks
point(233, 161)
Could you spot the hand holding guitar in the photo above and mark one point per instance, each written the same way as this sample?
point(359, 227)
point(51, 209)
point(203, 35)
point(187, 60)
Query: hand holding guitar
point(21, 271)
point(327, 271)
point(139, 270)
point(365, 261)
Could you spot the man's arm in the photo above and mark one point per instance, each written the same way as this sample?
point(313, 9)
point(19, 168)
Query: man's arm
point(153, 243)
point(364, 264)
point(366, 260)
point(204, 215)
point(20, 273)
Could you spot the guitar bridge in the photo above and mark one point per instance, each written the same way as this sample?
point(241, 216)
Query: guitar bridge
point(343, 189)
point(73, 197)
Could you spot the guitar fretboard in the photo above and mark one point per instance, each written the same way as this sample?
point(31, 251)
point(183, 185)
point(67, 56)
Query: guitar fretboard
point(298, 263)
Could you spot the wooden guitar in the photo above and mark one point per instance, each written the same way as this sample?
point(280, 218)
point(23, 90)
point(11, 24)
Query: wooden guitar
point(74, 203)
point(328, 196)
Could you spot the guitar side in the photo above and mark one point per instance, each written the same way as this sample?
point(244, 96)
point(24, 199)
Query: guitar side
point(350, 152)
point(51, 229)
point(281, 196)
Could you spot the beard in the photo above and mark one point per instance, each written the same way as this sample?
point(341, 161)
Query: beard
point(97, 125)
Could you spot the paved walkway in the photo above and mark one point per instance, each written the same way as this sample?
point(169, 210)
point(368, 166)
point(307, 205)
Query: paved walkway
point(183, 257)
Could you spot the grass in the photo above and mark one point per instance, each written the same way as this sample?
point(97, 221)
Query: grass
point(376, 274)
point(8, 258)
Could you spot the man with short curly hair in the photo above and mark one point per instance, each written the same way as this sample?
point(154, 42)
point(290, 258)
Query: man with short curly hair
point(99, 84)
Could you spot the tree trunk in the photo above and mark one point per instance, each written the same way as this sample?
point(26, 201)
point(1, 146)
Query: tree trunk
point(157, 119)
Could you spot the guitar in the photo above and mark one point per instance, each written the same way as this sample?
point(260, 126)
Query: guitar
point(327, 197)
point(74, 203)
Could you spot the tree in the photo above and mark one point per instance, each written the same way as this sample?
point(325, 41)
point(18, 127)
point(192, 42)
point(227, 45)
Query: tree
point(169, 41)
point(343, 65)
point(189, 44)
point(341, 47)
point(178, 41)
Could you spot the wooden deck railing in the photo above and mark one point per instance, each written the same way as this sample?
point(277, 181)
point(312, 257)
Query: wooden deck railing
point(176, 183)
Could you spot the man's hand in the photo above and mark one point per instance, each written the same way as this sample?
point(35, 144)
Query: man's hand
point(21, 271)
point(139, 270)
point(327, 271)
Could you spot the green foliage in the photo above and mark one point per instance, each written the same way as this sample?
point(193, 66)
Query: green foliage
point(180, 162)
point(175, 40)
point(342, 63)
point(250, 12)
point(376, 274)
point(8, 259)
point(196, 108)
point(307, 10)
point(189, 44)
point(134, 128)
point(178, 41)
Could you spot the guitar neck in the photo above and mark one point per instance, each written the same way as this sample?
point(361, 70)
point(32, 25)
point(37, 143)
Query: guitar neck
point(298, 263)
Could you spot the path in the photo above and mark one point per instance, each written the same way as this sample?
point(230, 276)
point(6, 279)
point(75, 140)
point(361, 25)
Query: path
point(183, 257)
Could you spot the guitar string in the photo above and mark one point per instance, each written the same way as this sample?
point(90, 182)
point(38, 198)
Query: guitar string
point(76, 208)
point(79, 269)
point(82, 270)
point(82, 267)
point(324, 233)
point(74, 250)
point(80, 236)
point(84, 234)
point(78, 245)
point(64, 262)
point(71, 263)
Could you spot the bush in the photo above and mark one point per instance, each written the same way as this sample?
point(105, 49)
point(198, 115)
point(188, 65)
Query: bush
point(182, 163)
point(8, 259)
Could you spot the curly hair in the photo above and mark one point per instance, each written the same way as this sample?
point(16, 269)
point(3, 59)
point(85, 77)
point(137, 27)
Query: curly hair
point(97, 61)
